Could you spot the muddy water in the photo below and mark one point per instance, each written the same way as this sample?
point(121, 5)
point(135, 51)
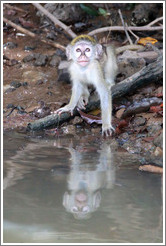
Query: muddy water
point(77, 190)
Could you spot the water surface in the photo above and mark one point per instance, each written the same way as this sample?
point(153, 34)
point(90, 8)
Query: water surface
point(77, 190)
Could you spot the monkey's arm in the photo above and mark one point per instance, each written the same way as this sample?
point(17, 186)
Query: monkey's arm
point(105, 100)
point(106, 108)
point(76, 94)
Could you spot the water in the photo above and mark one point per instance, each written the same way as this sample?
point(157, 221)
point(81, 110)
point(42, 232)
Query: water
point(77, 190)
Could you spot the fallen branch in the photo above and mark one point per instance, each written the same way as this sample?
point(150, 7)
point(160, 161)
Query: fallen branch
point(21, 29)
point(33, 35)
point(155, 21)
point(148, 27)
point(129, 47)
point(151, 168)
point(14, 7)
point(147, 55)
point(55, 20)
point(148, 74)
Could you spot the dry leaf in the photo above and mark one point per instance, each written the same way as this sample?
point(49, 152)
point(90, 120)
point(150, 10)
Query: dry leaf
point(90, 119)
point(95, 112)
point(146, 40)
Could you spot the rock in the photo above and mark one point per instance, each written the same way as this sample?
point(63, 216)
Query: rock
point(51, 35)
point(119, 113)
point(158, 141)
point(66, 12)
point(139, 121)
point(55, 60)
point(10, 45)
point(29, 58)
point(10, 105)
point(29, 48)
point(77, 120)
point(15, 84)
point(145, 13)
point(69, 129)
point(96, 130)
point(50, 93)
point(60, 53)
point(39, 82)
point(25, 83)
point(152, 131)
point(129, 63)
point(41, 60)
point(64, 76)
point(10, 90)
point(158, 152)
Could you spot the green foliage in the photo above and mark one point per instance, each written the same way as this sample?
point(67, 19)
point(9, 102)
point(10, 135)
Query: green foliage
point(131, 6)
point(93, 12)
point(103, 12)
point(89, 10)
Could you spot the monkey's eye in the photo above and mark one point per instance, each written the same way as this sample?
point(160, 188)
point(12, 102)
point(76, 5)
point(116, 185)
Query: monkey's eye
point(78, 50)
point(87, 50)
point(74, 209)
point(85, 209)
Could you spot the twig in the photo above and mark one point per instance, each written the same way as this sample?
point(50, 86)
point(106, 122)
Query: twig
point(15, 8)
point(55, 20)
point(21, 29)
point(137, 38)
point(133, 28)
point(127, 35)
point(156, 20)
point(33, 35)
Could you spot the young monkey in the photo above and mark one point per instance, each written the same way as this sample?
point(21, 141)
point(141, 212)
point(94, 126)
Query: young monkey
point(90, 64)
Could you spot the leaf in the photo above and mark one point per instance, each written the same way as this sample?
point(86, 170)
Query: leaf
point(157, 109)
point(146, 40)
point(103, 12)
point(121, 124)
point(89, 10)
point(95, 112)
point(90, 119)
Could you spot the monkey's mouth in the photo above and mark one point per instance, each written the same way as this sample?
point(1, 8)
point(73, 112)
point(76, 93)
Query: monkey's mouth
point(83, 63)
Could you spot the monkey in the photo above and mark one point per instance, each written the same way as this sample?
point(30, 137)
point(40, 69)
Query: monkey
point(91, 63)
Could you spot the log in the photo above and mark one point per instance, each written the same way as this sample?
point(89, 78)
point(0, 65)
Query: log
point(148, 74)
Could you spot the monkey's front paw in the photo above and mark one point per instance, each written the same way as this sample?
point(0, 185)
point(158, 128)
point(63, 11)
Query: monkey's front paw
point(107, 130)
point(63, 110)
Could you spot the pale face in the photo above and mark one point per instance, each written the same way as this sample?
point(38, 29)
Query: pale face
point(83, 53)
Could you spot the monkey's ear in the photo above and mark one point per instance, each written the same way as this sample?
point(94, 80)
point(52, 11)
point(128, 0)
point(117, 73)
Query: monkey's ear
point(96, 199)
point(66, 199)
point(68, 52)
point(99, 51)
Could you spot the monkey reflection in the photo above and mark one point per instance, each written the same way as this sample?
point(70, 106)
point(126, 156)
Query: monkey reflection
point(84, 183)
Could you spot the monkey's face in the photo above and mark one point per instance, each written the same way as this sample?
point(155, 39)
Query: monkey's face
point(83, 53)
